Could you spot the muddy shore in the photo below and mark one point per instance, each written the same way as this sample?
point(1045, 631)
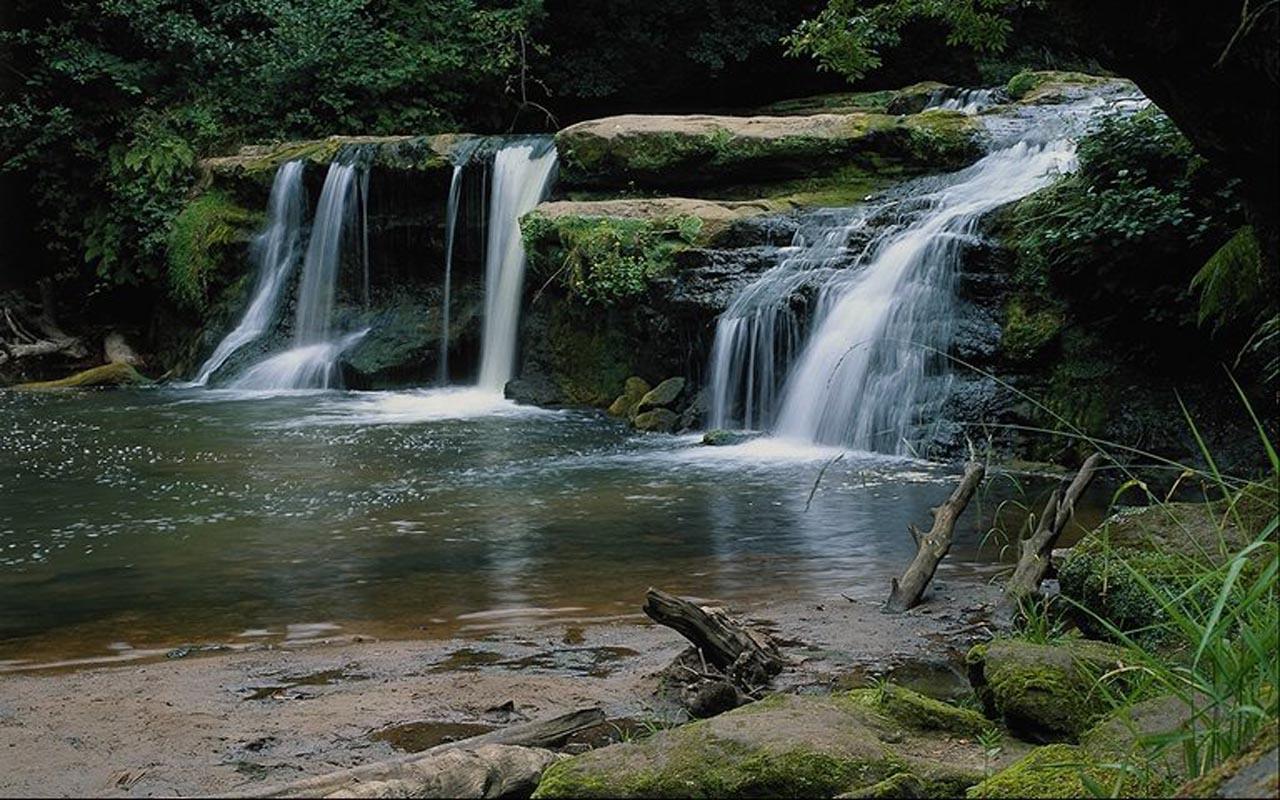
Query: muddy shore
point(222, 721)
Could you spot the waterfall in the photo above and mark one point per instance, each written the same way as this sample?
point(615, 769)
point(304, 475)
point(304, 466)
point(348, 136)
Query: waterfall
point(865, 366)
point(462, 156)
point(312, 361)
point(522, 175)
point(364, 232)
point(275, 251)
point(966, 101)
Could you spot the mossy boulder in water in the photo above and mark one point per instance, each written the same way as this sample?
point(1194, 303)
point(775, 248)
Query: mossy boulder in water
point(658, 420)
point(1042, 87)
point(633, 390)
point(784, 746)
point(1043, 692)
point(108, 376)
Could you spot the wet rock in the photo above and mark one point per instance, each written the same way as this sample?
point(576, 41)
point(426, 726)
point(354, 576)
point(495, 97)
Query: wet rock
point(659, 420)
point(664, 395)
point(711, 698)
point(1044, 693)
point(723, 438)
point(535, 390)
point(116, 349)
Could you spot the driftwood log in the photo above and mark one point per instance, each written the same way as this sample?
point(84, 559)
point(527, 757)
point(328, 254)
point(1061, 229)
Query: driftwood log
point(413, 774)
point(905, 592)
point(748, 658)
point(1034, 551)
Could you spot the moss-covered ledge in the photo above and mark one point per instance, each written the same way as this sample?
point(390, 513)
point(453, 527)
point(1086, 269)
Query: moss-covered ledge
point(638, 150)
point(256, 165)
point(610, 250)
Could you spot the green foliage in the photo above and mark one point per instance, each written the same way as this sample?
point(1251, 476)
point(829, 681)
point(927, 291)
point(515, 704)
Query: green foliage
point(207, 223)
point(1232, 282)
point(1026, 332)
point(1126, 230)
point(110, 103)
point(849, 36)
point(606, 259)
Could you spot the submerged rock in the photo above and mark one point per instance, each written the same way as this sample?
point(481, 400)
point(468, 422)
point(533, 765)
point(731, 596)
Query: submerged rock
point(1043, 692)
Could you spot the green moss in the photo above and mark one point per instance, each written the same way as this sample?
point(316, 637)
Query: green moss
point(1058, 770)
point(197, 241)
point(942, 139)
point(1027, 332)
point(590, 359)
point(1047, 691)
point(1026, 86)
point(922, 713)
point(108, 375)
point(605, 259)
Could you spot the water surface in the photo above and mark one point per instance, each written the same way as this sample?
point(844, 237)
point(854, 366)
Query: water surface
point(154, 518)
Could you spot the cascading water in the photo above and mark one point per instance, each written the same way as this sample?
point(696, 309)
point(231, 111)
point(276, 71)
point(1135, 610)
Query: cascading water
point(275, 251)
point(311, 363)
point(522, 176)
point(966, 101)
point(872, 365)
point(462, 155)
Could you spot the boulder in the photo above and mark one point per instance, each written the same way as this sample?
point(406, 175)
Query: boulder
point(1165, 544)
point(787, 746)
point(633, 390)
point(659, 420)
point(1253, 773)
point(108, 376)
point(664, 395)
point(1043, 692)
point(670, 150)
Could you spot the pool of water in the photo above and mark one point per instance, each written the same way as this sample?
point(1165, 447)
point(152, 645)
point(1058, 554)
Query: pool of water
point(153, 518)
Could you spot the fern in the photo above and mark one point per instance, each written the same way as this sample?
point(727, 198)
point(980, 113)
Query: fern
point(1231, 281)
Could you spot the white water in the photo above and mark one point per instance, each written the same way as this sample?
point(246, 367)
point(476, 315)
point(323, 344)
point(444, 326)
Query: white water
point(312, 366)
point(866, 367)
point(324, 255)
point(450, 230)
point(275, 251)
point(966, 101)
point(312, 361)
point(864, 377)
point(522, 175)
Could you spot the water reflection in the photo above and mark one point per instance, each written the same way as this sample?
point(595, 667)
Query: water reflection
point(162, 517)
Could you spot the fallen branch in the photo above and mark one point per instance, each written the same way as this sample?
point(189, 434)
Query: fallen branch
point(1034, 551)
point(413, 767)
point(905, 593)
point(748, 658)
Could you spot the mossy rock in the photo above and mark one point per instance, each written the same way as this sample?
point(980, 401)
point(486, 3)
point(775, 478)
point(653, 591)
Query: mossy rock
point(666, 150)
point(1058, 770)
point(723, 438)
point(1252, 773)
point(920, 712)
point(907, 100)
point(1043, 692)
point(208, 237)
point(782, 746)
point(1036, 87)
point(1028, 330)
point(108, 376)
point(633, 390)
point(604, 259)
point(658, 420)
point(1167, 545)
point(664, 395)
